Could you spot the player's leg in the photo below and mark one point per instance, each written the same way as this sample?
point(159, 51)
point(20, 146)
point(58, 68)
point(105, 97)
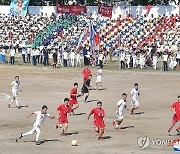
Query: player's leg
point(17, 103)
point(12, 101)
point(86, 97)
point(119, 121)
point(100, 85)
point(65, 128)
point(175, 120)
point(27, 133)
point(101, 132)
point(96, 129)
point(37, 135)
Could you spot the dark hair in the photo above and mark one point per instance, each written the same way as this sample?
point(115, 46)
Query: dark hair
point(66, 99)
point(44, 107)
point(136, 84)
point(75, 84)
point(178, 96)
point(99, 103)
point(124, 94)
point(90, 74)
point(16, 77)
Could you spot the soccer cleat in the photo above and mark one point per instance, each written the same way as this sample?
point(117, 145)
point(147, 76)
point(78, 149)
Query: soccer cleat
point(57, 126)
point(113, 122)
point(9, 105)
point(38, 143)
point(62, 134)
point(19, 107)
point(19, 138)
point(100, 138)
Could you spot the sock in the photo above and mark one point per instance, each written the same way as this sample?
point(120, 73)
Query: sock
point(86, 98)
point(12, 101)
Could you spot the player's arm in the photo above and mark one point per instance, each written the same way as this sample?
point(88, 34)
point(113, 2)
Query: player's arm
point(90, 114)
point(57, 113)
point(117, 109)
point(173, 109)
point(30, 114)
point(126, 107)
point(52, 117)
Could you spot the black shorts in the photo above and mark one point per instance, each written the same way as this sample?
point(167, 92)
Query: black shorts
point(84, 90)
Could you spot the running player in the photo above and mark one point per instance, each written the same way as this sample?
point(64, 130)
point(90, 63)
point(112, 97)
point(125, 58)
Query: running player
point(99, 79)
point(73, 98)
point(98, 119)
point(86, 72)
point(135, 93)
point(40, 117)
point(62, 112)
point(121, 105)
point(85, 88)
point(176, 109)
point(14, 88)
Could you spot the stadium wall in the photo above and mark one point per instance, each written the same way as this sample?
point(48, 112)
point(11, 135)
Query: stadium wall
point(140, 10)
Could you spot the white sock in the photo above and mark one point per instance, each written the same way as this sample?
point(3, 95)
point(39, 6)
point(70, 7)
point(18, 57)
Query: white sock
point(12, 101)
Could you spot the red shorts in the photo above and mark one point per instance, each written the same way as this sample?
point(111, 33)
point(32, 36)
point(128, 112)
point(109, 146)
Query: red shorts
point(62, 120)
point(72, 102)
point(100, 124)
point(176, 118)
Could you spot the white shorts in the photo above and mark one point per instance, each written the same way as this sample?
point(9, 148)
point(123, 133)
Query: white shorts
point(135, 103)
point(120, 115)
point(98, 79)
point(15, 93)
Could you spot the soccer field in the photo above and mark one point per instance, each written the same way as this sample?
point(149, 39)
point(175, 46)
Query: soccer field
point(47, 86)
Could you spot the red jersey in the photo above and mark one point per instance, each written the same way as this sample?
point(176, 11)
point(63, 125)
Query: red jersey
point(176, 106)
point(73, 91)
point(64, 110)
point(86, 73)
point(98, 114)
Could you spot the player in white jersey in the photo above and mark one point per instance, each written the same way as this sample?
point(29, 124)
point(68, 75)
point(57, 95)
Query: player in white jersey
point(40, 117)
point(135, 93)
point(121, 105)
point(99, 78)
point(14, 88)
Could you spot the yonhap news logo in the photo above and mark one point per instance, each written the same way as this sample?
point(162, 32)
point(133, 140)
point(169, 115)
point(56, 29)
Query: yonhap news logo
point(144, 142)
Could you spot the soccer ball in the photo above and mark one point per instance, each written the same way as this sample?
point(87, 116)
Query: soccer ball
point(74, 143)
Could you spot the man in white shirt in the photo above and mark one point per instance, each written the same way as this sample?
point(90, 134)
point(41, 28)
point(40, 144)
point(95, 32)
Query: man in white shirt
point(15, 85)
point(72, 58)
point(12, 55)
point(65, 57)
point(122, 59)
point(165, 61)
point(178, 58)
point(135, 93)
point(121, 105)
point(40, 117)
point(99, 78)
point(155, 60)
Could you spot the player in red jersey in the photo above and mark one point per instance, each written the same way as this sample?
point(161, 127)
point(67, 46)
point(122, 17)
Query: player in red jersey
point(73, 98)
point(176, 109)
point(62, 112)
point(86, 72)
point(98, 119)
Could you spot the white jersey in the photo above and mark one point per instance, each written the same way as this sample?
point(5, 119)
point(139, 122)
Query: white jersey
point(15, 86)
point(40, 118)
point(121, 105)
point(135, 93)
point(99, 72)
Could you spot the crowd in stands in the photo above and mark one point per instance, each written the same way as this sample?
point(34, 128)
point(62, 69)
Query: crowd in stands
point(135, 41)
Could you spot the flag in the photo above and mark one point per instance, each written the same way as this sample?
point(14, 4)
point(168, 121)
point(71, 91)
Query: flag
point(92, 38)
point(18, 7)
point(148, 8)
point(82, 39)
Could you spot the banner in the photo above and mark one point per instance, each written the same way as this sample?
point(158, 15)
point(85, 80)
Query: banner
point(69, 9)
point(148, 8)
point(105, 10)
point(18, 7)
